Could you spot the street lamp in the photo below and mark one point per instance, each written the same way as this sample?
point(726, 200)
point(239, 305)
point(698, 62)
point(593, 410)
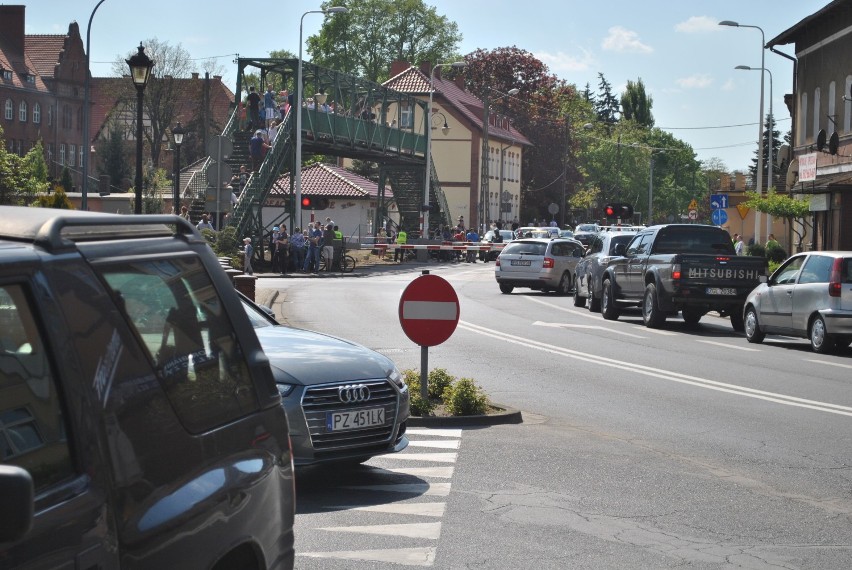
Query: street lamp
point(84, 204)
point(759, 123)
point(177, 133)
point(484, 205)
point(770, 142)
point(297, 174)
point(424, 227)
point(140, 71)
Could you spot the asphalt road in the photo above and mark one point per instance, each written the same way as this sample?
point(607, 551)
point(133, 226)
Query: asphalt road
point(639, 448)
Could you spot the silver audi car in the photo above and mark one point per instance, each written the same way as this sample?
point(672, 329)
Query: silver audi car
point(345, 403)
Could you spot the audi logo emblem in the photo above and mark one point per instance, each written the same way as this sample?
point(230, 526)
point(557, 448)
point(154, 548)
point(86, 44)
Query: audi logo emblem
point(353, 393)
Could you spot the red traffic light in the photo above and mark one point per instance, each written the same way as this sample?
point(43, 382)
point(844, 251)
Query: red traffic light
point(618, 210)
point(610, 212)
point(314, 202)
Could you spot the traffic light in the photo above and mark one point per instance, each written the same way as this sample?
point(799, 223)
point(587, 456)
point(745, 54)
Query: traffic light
point(314, 202)
point(618, 210)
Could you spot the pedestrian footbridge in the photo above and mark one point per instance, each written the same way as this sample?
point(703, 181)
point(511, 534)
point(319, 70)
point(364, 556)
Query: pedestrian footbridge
point(359, 123)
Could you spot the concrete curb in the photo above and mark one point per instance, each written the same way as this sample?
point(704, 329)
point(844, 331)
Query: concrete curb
point(506, 416)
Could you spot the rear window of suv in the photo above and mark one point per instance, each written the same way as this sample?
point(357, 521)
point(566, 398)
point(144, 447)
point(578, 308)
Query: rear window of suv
point(177, 314)
point(525, 248)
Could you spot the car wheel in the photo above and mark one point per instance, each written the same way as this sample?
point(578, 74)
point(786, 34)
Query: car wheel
point(821, 341)
point(752, 327)
point(652, 316)
point(506, 289)
point(594, 302)
point(564, 287)
point(692, 317)
point(608, 307)
point(737, 320)
point(579, 301)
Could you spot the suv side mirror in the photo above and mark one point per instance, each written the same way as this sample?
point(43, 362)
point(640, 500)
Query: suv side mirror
point(16, 503)
point(618, 249)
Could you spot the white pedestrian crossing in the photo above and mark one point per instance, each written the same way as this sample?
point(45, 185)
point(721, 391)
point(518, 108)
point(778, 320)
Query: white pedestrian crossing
point(425, 484)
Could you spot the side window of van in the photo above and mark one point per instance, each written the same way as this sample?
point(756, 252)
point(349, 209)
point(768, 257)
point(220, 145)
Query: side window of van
point(32, 429)
point(177, 314)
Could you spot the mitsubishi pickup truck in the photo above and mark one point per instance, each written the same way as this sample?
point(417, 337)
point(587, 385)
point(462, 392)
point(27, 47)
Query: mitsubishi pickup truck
point(691, 268)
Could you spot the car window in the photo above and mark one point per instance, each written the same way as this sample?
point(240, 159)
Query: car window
point(694, 239)
point(560, 249)
point(846, 272)
point(596, 244)
point(787, 273)
point(179, 317)
point(32, 429)
point(639, 245)
point(620, 239)
point(817, 269)
point(525, 248)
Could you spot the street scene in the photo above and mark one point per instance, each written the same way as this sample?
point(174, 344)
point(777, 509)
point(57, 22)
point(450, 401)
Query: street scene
point(426, 284)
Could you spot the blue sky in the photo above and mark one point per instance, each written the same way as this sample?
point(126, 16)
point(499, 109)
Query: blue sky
point(676, 47)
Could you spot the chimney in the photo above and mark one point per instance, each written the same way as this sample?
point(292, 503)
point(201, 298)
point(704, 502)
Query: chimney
point(426, 69)
point(398, 66)
point(12, 27)
point(459, 80)
point(195, 75)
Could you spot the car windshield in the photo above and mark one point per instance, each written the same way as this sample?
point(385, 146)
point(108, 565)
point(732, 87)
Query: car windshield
point(255, 315)
point(525, 248)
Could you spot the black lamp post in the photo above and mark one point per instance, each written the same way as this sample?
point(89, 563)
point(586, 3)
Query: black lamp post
point(177, 133)
point(140, 71)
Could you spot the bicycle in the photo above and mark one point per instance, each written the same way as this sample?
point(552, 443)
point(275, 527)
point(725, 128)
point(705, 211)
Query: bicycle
point(346, 263)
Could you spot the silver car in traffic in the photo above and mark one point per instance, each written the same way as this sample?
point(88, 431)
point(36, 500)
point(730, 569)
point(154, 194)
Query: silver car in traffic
point(540, 264)
point(809, 296)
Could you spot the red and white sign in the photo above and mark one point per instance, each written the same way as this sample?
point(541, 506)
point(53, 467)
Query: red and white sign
point(429, 310)
point(807, 167)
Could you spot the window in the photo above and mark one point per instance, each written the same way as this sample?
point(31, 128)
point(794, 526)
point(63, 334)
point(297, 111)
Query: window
point(847, 106)
point(22, 111)
point(32, 430)
point(9, 110)
point(62, 154)
point(29, 78)
point(817, 269)
point(66, 117)
point(832, 121)
point(816, 111)
point(37, 113)
point(406, 117)
point(20, 145)
point(179, 317)
point(788, 272)
point(803, 119)
point(7, 74)
point(49, 154)
point(72, 154)
point(80, 163)
point(639, 245)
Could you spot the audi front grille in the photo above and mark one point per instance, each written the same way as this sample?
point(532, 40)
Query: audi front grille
point(319, 400)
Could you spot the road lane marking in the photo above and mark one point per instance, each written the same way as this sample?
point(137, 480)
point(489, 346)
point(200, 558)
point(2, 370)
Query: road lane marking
point(431, 530)
point(597, 317)
point(727, 345)
point(436, 443)
point(660, 373)
point(597, 327)
point(828, 363)
point(442, 472)
point(420, 509)
point(437, 432)
point(424, 556)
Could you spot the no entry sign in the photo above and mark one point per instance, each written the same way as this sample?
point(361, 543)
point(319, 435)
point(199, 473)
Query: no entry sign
point(429, 310)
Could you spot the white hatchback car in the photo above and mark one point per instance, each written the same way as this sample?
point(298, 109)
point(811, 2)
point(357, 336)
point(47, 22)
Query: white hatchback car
point(809, 296)
point(538, 263)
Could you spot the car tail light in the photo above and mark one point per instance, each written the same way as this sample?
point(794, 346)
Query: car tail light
point(834, 282)
point(548, 263)
point(676, 271)
point(497, 262)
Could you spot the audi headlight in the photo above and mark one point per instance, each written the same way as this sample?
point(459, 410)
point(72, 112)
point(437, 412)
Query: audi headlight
point(285, 389)
point(396, 377)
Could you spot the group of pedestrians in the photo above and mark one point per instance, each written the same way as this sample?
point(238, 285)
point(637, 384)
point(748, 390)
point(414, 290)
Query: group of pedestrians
point(303, 250)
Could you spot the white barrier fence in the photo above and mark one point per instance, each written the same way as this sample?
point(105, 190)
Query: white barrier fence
point(455, 246)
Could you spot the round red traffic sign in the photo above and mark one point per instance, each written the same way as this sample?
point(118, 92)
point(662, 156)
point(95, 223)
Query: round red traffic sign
point(429, 310)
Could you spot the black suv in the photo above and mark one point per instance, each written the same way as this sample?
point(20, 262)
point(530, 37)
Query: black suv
point(140, 425)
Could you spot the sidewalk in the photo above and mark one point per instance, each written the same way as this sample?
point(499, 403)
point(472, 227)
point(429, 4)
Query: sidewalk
point(365, 264)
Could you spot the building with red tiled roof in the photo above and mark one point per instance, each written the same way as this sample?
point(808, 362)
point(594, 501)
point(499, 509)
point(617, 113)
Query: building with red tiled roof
point(42, 80)
point(457, 156)
point(352, 199)
point(41, 90)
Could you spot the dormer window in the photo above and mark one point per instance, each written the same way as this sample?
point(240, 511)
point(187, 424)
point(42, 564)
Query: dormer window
point(29, 78)
point(7, 73)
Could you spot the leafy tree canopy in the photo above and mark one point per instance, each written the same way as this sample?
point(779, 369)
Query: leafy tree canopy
point(636, 104)
point(374, 33)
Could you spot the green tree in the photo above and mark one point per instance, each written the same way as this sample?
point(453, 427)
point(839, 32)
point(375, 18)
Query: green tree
point(115, 163)
point(768, 154)
point(21, 178)
point(606, 103)
point(783, 206)
point(373, 33)
point(636, 104)
point(65, 180)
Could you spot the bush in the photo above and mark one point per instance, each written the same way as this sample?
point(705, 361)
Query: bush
point(756, 250)
point(418, 406)
point(439, 380)
point(465, 398)
point(776, 253)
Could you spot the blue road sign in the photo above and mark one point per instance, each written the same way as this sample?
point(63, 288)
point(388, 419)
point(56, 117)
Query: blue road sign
point(719, 217)
point(718, 201)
